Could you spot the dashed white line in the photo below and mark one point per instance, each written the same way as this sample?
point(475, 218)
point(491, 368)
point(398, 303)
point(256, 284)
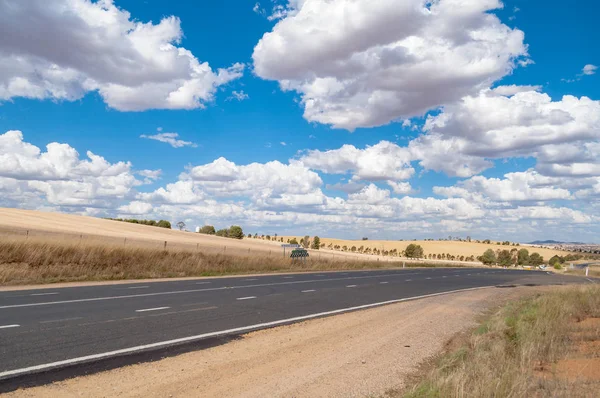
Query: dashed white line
point(44, 294)
point(383, 283)
point(202, 283)
point(167, 343)
point(252, 279)
point(444, 276)
point(289, 277)
point(138, 287)
point(351, 286)
point(427, 278)
point(61, 320)
point(246, 298)
point(153, 309)
point(9, 326)
point(308, 291)
point(408, 280)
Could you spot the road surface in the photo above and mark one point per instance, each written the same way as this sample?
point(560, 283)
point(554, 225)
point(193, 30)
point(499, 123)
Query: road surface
point(55, 328)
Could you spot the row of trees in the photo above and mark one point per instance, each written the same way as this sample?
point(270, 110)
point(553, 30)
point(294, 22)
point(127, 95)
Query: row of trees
point(161, 223)
point(233, 232)
point(506, 258)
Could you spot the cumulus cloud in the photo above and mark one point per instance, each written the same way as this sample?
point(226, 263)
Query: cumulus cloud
point(364, 63)
point(238, 96)
point(59, 176)
point(133, 65)
point(171, 139)
point(380, 162)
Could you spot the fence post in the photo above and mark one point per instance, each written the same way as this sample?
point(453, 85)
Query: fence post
point(165, 244)
point(27, 235)
point(587, 270)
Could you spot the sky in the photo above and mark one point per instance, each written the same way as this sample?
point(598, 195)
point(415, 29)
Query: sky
point(392, 119)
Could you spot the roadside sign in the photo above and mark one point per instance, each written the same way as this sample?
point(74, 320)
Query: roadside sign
point(288, 245)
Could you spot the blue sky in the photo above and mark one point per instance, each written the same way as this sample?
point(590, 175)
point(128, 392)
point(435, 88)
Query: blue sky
point(451, 122)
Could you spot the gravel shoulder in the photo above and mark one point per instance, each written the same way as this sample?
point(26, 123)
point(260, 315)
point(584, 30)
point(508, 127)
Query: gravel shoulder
point(351, 355)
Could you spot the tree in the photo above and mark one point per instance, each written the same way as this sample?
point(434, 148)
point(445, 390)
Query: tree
point(535, 259)
point(222, 232)
point(505, 258)
point(523, 257)
point(293, 241)
point(235, 232)
point(316, 243)
point(181, 225)
point(164, 224)
point(413, 251)
point(556, 260)
point(305, 242)
point(489, 257)
point(208, 230)
point(468, 238)
point(365, 238)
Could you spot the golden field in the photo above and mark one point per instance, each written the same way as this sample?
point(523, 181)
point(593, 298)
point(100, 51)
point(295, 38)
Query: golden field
point(454, 248)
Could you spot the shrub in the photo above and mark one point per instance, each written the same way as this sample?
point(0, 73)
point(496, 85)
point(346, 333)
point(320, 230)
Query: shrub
point(489, 257)
point(316, 243)
point(236, 232)
point(208, 230)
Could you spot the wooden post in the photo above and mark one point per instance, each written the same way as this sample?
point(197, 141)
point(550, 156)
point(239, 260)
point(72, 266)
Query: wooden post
point(165, 245)
point(27, 235)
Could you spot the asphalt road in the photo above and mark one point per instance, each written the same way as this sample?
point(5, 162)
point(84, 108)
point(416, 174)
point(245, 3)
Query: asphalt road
point(51, 328)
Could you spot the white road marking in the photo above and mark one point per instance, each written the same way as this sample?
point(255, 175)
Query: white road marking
point(383, 283)
point(153, 309)
point(9, 326)
point(351, 286)
point(307, 291)
point(44, 294)
point(444, 276)
point(61, 320)
point(243, 329)
point(202, 283)
point(591, 280)
point(408, 280)
point(138, 287)
point(427, 278)
point(290, 277)
point(251, 279)
point(398, 274)
point(246, 298)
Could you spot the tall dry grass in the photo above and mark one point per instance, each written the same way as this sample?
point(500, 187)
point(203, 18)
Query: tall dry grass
point(32, 262)
point(500, 358)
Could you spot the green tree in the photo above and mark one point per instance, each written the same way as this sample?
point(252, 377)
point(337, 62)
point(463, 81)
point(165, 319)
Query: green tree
point(316, 243)
point(523, 257)
point(293, 241)
point(535, 259)
point(489, 257)
point(222, 232)
point(208, 230)
point(413, 251)
point(556, 260)
point(164, 224)
point(235, 232)
point(505, 258)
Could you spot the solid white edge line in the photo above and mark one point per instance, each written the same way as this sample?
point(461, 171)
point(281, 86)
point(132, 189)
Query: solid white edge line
point(152, 309)
point(246, 298)
point(43, 294)
point(88, 358)
point(6, 327)
point(351, 286)
point(138, 287)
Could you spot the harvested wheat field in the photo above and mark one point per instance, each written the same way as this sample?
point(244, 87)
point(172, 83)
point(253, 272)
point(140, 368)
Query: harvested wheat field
point(454, 248)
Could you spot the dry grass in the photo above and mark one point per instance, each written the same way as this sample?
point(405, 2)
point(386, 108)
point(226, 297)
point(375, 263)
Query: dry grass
point(34, 262)
point(502, 358)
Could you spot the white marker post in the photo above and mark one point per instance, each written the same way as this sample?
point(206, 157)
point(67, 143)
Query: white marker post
point(587, 270)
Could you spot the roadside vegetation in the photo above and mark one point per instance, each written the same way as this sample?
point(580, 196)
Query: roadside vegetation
point(233, 232)
point(546, 345)
point(31, 262)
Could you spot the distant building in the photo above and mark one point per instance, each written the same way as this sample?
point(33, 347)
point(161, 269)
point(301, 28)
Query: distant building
point(197, 229)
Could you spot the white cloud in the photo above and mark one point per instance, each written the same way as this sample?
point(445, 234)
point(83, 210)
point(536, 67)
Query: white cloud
point(136, 207)
point(171, 139)
point(513, 89)
point(59, 177)
point(238, 96)
point(383, 161)
point(150, 174)
point(133, 65)
point(589, 69)
point(282, 143)
point(400, 188)
point(515, 187)
point(363, 63)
